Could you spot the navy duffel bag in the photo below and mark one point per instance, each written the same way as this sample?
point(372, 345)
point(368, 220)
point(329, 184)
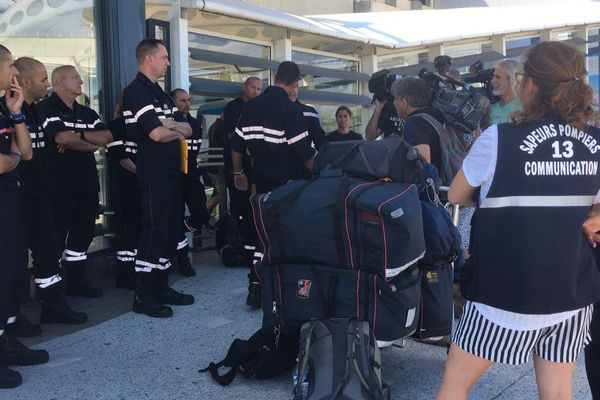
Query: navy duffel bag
point(343, 222)
point(296, 293)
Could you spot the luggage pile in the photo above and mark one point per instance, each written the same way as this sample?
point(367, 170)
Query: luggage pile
point(346, 243)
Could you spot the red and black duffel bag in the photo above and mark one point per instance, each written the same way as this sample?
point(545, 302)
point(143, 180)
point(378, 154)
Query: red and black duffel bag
point(296, 293)
point(345, 222)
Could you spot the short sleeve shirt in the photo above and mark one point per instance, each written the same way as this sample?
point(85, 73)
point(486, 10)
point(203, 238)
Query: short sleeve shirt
point(390, 124)
point(71, 171)
point(145, 104)
point(6, 130)
point(418, 131)
point(336, 136)
point(33, 173)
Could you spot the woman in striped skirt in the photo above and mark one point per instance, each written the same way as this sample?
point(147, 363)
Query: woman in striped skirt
point(531, 279)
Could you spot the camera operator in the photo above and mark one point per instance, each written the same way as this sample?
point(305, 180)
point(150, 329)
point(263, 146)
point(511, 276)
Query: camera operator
point(503, 84)
point(412, 96)
point(384, 121)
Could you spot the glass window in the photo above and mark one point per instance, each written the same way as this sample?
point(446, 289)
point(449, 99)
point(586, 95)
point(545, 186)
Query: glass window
point(396, 61)
point(562, 35)
point(315, 82)
point(468, 49)
point(209, 69)
point(58, 33)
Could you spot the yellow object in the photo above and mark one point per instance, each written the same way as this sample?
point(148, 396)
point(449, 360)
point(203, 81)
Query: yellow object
point(183, 156)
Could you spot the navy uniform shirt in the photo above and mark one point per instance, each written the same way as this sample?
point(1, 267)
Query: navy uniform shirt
point(274, 131)
point(315, 132)
point(71, 171)
point(231, 116)
point(116, 150)
point(6, 129)
point(194, 142)
point(144, 105)
point(33, 173)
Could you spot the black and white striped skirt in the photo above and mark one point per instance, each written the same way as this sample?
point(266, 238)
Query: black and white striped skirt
point(562, 342)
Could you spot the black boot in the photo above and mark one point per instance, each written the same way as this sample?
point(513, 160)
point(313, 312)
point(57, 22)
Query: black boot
point(145, 300)
point(126, 275)
point(55, 310)
point(168, 295)
point(8, 378)
point(254, 298)
point(13, 352)
point(22, 327)
point(184, 267)
point(77, 285)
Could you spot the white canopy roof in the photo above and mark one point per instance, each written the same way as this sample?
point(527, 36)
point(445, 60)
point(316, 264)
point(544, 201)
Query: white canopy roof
point(424, 27)
point(401, 29)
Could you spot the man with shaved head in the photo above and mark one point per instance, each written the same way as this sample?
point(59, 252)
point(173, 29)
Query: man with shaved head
point(73, 132)
point(15, 145)
point(36, 230)
point(239, 201)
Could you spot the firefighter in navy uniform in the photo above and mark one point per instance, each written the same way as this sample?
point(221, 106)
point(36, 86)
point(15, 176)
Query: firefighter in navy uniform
point(121, 153)
point(239, 201)
point(73, 133)
point(36, 230)
point(273, 129)
point(152, 120)
point(193, 193)
point(15, 144)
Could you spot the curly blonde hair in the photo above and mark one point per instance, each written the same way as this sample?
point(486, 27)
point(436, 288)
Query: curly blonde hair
point(558, 71)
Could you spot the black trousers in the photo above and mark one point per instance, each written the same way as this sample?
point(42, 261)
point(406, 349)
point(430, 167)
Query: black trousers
point(592, 354)
point(9, 199)
point(193, 196)
point(161, 224)
point(75, 219)
point(36, 231)
point(128, 216)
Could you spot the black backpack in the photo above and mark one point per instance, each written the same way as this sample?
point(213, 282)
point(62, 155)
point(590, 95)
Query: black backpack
point(266, 354)
point(339, 359)
point(228, 241)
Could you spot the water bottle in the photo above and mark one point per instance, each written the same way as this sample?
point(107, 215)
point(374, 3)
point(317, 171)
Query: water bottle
point(304, 384)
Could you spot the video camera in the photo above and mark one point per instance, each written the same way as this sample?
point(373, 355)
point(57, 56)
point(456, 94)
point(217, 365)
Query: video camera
point(483, 76)
point(380, 85)
point(463, 108)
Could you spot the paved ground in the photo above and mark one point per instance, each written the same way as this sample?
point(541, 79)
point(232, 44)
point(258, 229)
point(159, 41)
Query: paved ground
point(122, 355)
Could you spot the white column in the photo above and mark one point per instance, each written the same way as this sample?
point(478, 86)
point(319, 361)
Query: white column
point(499, 44)
point(582, 32)
point(434, 51)
point(545, 35)
point(282, 51)
point(180, 69)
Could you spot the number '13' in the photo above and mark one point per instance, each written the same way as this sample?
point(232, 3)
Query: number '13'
point(567, 149)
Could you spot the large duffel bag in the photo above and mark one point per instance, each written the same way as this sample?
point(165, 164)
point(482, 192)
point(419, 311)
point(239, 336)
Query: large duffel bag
point(296, 293)
point(392, 158)
point(341, 221)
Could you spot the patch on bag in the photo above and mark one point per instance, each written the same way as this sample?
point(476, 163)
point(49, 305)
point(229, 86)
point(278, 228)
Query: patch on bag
point(432, 277)
point(303, 291)
point(369, 218)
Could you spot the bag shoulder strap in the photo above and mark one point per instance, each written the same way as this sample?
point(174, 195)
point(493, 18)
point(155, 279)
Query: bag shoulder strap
point(439, 127)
